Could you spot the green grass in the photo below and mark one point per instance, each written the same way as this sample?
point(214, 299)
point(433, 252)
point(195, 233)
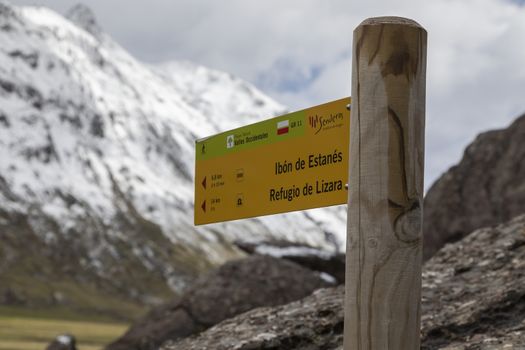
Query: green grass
point(26, 333)
point(80, 299)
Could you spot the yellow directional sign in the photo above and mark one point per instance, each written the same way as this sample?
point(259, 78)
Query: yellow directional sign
point(293, 162)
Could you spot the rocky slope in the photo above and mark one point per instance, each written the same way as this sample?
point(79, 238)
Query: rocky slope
point(473, 298)
point(96, 170)
point(486, 187)
point(235, 287)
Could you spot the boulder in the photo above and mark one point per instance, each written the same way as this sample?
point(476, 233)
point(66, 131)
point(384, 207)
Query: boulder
point(63, 342)
point(235, 287)
point(473, 297)
point(330, 263)
point(313, 323)
point(487, 187)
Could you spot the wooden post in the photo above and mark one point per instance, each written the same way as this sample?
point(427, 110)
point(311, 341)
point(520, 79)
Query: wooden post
point(383, 259)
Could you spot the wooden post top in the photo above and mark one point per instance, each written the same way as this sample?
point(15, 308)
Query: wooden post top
point(390, 20)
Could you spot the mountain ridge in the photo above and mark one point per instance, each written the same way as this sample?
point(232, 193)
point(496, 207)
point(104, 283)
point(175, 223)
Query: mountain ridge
point(96, 178)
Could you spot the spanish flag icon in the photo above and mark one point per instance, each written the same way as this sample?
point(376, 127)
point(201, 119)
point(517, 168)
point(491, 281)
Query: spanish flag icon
point(283, 127)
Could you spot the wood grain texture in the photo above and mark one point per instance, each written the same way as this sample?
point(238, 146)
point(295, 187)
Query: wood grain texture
point(383, 267)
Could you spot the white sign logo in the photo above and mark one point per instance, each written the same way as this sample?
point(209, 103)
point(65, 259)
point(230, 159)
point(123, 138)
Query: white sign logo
point(229, 141)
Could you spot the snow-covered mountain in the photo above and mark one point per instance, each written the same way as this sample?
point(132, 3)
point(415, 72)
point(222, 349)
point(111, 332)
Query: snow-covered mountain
point(97, 161)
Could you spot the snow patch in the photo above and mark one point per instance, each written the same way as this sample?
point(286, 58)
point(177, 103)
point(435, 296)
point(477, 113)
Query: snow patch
point(65, 339)
point(328, 278)
point(279, 252)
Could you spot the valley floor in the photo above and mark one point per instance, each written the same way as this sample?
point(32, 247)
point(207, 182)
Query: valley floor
point(23, 332)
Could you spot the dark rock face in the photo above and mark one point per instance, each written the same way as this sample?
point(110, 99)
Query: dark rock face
point(82, 16)
point(63, 342)
point(473, 298)
point(487, 187)
point(235, 287)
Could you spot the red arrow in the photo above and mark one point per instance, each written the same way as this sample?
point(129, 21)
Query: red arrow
point(203, 206)
point(204, 182)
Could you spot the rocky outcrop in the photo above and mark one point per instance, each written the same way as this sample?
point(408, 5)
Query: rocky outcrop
point(474, 291)
point(473, 298)
point(313, 323)
point(487, 187)
point(331, 263)
point(235, 287)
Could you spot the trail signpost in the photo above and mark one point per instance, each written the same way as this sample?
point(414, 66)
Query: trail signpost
point(383, 252)
point(293, 162)
point(303, 160)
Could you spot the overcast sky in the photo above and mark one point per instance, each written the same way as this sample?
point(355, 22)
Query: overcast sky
point(298, 51)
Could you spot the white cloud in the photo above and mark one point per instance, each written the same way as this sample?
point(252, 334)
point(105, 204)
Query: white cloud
point(299, 51)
